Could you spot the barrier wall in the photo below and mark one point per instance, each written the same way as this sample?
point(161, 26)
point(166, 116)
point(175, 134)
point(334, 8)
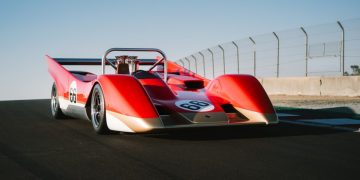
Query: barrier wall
point(314, 86)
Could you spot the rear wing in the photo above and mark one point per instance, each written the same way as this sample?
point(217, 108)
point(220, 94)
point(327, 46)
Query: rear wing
point(105, 61)
point(96, 61)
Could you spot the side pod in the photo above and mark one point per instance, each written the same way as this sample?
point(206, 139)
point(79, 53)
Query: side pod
point(59, 74)
point(247, 96)
point(128, 107)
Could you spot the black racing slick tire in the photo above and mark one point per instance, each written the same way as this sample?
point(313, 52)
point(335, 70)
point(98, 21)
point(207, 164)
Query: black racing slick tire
point(55, 106)
point(98, 111)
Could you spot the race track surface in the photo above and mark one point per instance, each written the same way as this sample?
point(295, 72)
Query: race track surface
point(35, 146)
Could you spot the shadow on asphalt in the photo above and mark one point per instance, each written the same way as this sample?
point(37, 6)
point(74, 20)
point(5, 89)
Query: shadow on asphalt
point(323, 113)
point(242, 132)
point(39, 112)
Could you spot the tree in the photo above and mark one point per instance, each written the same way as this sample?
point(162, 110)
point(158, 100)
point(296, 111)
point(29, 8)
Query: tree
point(355, 69)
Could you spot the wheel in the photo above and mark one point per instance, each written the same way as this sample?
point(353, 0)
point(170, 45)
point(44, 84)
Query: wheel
point(55, 107)
point(98, 115)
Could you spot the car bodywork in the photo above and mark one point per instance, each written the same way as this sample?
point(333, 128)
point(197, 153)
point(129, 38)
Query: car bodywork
point(173, 97)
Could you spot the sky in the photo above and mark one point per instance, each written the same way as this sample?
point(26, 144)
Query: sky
point(86, 28)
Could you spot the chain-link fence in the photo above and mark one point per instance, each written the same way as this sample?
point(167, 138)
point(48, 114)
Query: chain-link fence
point(321, 50)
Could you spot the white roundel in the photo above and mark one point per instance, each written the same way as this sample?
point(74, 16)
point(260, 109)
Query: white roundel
point(195, 105)
point(73, 92)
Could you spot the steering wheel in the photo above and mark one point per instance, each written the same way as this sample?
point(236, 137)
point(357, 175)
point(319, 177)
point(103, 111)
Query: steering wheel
point(138, 71)
point(141, 74)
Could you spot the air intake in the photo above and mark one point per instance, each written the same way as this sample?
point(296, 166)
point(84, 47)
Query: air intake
point(194, 84)
point(232, 114)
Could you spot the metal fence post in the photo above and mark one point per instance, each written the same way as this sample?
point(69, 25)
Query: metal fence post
point(278, 54)
point(342, 48)
point(212, 59)
point(189, 63)
point(223, 52)
point(254, 46)
point(237, 57)
point(195, 63)
point(203, 57)
point(306, 50)
point(182, 62)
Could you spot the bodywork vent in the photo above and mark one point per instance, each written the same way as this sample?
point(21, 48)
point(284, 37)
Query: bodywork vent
point(232, 114)
point(170, 118)
point(162, 110)
point(194, 84)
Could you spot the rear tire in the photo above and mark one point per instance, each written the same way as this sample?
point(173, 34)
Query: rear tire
point(55, 106)
point(98, 111)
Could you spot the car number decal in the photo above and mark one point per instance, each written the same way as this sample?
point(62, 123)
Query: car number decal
point(195, 105)
point(73, 92)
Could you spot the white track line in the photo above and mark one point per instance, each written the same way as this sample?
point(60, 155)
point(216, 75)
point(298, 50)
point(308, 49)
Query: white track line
point(286, 115)
point(334, 121)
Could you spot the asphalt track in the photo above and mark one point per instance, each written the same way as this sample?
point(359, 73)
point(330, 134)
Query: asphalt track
point(34, 146)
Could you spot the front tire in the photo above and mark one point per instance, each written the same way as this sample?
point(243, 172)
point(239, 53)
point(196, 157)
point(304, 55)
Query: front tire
point(55, 106)
point(98, 115)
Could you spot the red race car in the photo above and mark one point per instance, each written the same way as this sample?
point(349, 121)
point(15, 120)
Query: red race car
point(165, 95)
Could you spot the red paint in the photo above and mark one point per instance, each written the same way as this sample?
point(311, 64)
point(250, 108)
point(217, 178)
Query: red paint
point(157, 89)
point(125, 95)
point(63, 78)
point(175, 68)
point(242, 91)
point(129, 96)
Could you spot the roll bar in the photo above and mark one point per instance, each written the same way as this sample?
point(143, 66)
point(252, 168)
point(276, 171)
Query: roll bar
point(104, 60)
